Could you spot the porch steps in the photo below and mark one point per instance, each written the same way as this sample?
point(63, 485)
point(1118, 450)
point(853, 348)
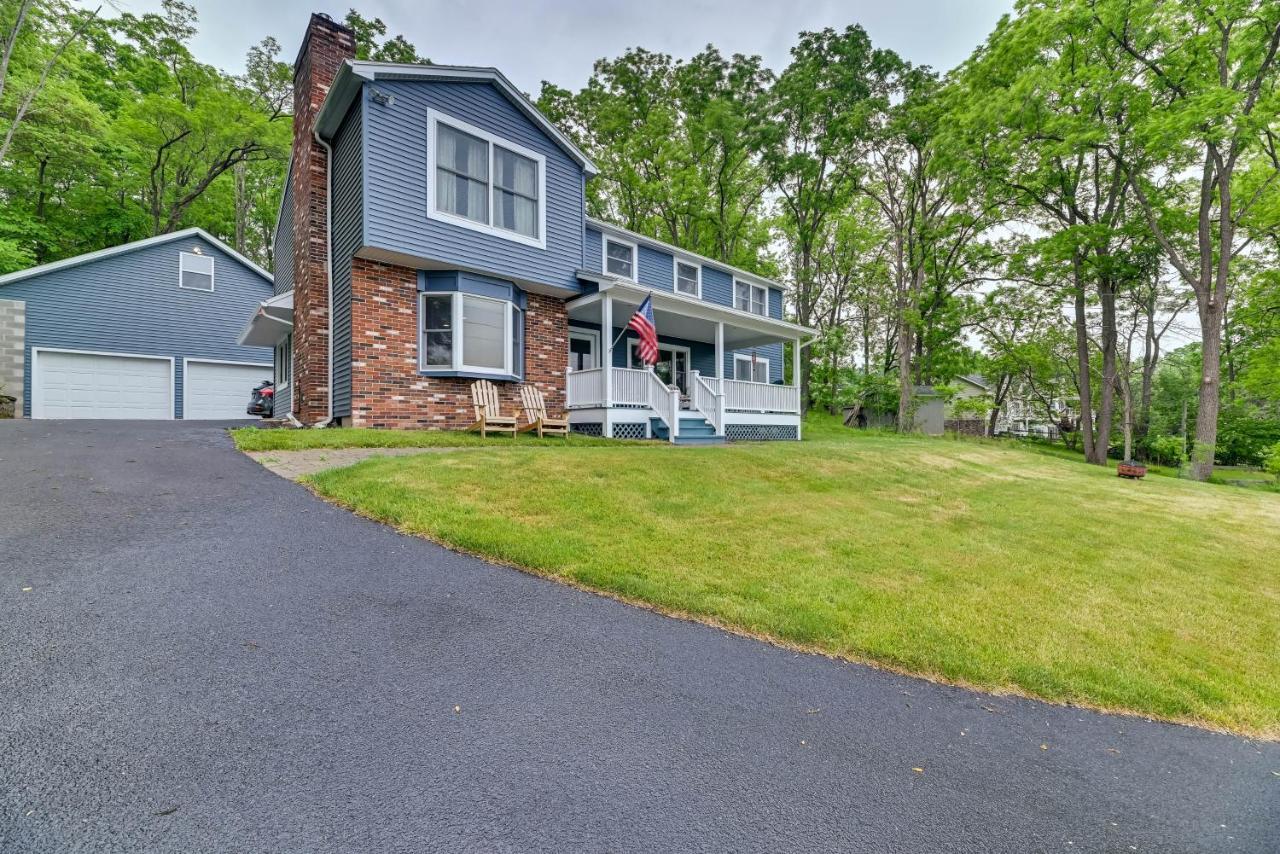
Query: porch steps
point(693, 431)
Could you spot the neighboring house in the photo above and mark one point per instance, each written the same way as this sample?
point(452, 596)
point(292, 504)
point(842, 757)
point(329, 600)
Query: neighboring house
point(1022, 413)
point(144, 330)
point(454, 215)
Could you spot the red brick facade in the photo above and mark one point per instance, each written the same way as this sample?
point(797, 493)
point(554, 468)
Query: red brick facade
point(386, 388)
point(326, 46)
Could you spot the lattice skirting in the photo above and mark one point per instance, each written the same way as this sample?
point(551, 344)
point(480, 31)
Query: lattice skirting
point(596, 429)
point(628, 430)
point(759, 432)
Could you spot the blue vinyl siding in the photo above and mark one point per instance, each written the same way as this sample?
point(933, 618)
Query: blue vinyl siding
point(395, 180)
point(347, 237)
point(592, 251)
point(131, 303)
point(717, 286)
point(282, 248)
point(657, 271)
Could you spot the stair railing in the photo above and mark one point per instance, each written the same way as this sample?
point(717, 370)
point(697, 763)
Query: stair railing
point(666, 403)
point(708, 400)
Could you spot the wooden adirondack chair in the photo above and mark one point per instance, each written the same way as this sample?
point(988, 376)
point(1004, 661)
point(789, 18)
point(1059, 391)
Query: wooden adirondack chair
point(535, 412)
point(489, 417)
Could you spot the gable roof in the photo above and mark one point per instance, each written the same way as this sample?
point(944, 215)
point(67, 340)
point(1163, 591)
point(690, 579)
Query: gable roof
point(354, 73)
point(126, 248)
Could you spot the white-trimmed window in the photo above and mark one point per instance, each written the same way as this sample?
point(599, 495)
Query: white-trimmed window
point(469, 333)
point(582, 350)
point(752, 369)
point(484, 182)
point(749, 297)
point(195, 272)
point(620, 258)
point(688, 278)
point(283, 362)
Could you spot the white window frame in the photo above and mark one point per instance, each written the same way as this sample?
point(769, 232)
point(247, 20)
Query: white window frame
point(182, 268)
point(676, 261)
point(456, 365)
point(744, 357)
point(751, 300)
point(635, 257)
point(631, 352)
point(435, 118)
point(282, 355)
point(591, 336)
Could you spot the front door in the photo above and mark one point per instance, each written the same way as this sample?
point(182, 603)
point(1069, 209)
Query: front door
point(672, 367)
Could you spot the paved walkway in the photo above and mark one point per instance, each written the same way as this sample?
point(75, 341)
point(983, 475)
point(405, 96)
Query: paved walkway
point(296, 465)
point(196, 656)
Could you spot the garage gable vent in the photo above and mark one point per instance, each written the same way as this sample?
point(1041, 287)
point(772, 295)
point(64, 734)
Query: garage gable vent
point(195, 271)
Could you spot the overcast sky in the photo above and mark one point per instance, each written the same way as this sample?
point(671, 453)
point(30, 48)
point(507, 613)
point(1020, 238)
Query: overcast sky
point(558, 40)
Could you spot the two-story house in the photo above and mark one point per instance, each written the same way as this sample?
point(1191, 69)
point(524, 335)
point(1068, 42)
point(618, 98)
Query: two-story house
point(433, 232)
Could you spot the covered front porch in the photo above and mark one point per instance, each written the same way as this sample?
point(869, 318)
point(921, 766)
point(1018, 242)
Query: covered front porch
point(720, 374)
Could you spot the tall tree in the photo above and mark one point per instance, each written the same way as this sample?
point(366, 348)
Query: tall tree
point(1202, 89)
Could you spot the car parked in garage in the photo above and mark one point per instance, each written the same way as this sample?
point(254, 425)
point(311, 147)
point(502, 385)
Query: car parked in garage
point(149, 329)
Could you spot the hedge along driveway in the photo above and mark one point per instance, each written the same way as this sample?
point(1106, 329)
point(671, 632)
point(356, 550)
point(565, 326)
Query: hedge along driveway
point(985, 566)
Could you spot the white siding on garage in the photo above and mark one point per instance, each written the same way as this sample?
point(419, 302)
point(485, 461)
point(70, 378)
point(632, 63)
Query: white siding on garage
point(220, 391)
point(101, 385)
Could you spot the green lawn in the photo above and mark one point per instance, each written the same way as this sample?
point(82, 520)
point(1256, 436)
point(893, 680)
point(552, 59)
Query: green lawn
point(255, 439)
point(976, 563)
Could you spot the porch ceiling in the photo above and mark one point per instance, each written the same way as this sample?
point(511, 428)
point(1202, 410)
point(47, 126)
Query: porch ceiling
point(684, 317)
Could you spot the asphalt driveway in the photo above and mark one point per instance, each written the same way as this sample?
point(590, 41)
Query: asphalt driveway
point(211, 659)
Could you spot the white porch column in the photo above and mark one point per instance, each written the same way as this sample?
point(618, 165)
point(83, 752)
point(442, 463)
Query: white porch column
point(720, 350)
point(606, 324)
point(795, 380)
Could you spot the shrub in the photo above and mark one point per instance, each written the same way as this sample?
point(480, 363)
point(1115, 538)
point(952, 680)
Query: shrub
point(1166, 450)
point(1272, 461)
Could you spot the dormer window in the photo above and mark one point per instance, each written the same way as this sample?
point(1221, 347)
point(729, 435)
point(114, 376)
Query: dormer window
point(752, 298)
point(620, 258)
point(195, 272)
point(483, 182)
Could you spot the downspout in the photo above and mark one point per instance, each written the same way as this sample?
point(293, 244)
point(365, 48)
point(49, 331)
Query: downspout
point(328, 262)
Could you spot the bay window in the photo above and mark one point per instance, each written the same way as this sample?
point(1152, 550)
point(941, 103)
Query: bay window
point(752, 298)
point(461, 332)
point(485, 183)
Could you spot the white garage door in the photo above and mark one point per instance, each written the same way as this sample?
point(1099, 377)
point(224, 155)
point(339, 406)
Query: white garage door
point(100, 385)
point(219, 390)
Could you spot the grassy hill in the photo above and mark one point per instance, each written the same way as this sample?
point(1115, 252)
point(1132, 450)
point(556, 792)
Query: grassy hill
point(973, 563)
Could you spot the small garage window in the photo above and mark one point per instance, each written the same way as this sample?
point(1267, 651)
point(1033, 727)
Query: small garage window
point(195, 272)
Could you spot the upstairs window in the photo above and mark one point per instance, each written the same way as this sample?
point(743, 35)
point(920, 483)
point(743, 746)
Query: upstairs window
point(620, 258)
point(483, 182)
point(468, 333)
point(195, 272)
point(752, 298)
point(688, 279)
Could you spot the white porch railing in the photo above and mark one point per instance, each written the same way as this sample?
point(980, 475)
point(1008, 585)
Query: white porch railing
point(744, 396)
point(707, 400)
point(711, 397)
point(584, 389)
point(631, 387)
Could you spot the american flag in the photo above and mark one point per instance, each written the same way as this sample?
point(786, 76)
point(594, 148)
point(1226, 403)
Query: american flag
point(642, 323)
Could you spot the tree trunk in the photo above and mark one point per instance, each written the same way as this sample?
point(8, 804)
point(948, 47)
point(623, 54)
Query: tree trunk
point(1082, 366)
point(242, 205)
point(906, 416)
point(1150, 358)
point(1210, 394)
point(1107, 393)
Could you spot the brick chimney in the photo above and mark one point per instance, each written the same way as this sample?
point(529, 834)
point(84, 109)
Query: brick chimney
point(326, 46)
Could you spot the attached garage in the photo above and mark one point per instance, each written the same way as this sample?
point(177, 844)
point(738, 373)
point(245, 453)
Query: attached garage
point(147, 330)
point(71, 384)
point(219, 390)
